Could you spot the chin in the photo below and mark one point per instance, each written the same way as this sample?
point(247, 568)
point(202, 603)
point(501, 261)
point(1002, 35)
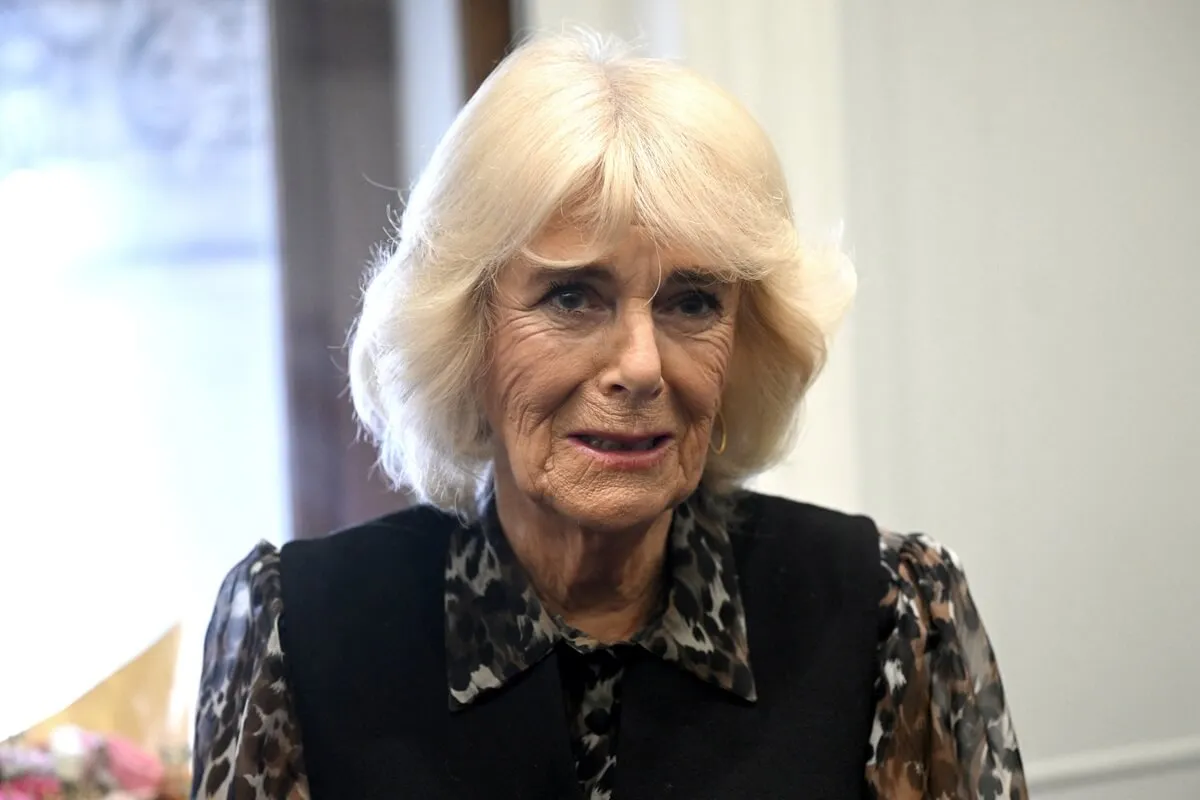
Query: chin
point(616, 508)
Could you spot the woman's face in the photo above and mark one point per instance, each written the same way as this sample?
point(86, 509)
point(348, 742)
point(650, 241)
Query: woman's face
point(604, 381)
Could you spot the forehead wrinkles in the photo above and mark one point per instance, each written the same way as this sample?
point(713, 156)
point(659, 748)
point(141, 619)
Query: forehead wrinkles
point(677, 265)
point(649, 259)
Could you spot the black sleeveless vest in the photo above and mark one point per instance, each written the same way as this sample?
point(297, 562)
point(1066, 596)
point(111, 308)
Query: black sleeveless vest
point(364, 642)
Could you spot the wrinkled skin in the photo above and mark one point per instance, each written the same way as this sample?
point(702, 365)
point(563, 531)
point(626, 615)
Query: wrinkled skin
point(639, 341)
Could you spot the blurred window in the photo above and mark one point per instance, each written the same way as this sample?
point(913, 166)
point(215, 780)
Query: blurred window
point(141, 411)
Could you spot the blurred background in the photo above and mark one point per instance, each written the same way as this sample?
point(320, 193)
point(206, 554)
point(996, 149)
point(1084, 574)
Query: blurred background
point(190, 189)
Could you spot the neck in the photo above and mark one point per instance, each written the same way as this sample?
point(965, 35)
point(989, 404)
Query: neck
point(604, 583)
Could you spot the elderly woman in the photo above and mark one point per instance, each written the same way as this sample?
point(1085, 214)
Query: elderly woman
point(595, 324)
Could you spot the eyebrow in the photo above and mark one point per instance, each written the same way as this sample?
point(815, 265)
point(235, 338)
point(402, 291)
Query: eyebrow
point(602, 271)
point(696, 276)
point(595, 271)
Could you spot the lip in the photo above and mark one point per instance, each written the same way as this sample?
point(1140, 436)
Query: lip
point(630, 460)
point(623, 438)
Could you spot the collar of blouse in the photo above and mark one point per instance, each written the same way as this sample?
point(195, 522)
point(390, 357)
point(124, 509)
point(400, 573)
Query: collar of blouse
point(496, 628)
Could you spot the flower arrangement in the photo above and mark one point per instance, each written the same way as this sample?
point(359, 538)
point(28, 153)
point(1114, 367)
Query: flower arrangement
point(73, 764)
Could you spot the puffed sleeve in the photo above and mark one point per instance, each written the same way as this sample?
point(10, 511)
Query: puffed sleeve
point(942, 726)
point(247, 742)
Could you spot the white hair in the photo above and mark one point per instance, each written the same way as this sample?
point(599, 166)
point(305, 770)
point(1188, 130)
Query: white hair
point(573, 128)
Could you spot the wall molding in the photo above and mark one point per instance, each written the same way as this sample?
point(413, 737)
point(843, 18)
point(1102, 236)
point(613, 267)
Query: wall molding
point(1106, 765)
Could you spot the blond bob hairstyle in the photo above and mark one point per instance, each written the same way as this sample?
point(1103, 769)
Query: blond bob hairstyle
point(572, 129)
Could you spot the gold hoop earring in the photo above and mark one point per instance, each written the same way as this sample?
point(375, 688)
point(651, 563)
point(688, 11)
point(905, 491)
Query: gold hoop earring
point(724, 437)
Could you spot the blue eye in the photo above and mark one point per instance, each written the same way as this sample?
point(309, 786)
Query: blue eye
point(697, 303)
point(569, 297)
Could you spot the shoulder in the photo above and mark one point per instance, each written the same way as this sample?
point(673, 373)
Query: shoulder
point(914, 565)
point(782, 531)
point(763, 515)
point(250, 660)
point(918, 557)
point(406, 547)
point(242, 677)
point(385, 564)
point(921, 587)
point(926, 609)
point(939, 682)
point(808, 573)
point(247, 605)
point(928, 603)
point(363, 595)
point(408, 530)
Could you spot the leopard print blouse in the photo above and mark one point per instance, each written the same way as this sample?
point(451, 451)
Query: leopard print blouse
point(941, 730)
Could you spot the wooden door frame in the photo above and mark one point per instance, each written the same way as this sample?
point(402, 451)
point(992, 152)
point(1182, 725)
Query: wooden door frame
point(337, 129)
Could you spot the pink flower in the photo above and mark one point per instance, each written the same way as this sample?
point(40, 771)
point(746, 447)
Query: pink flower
point(29, 787)
point(132, 768)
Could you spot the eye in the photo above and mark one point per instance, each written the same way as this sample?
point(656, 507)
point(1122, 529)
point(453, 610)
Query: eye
point(571, 298)
point(697, 303)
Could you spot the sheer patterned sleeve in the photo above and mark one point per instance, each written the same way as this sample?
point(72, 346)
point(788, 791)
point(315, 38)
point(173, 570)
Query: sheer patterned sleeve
point(942, 726)
point(247, 742)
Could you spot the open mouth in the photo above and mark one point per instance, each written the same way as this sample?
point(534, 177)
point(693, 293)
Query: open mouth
point(610, 445)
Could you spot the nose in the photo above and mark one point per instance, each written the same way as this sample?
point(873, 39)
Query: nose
point(636, 365)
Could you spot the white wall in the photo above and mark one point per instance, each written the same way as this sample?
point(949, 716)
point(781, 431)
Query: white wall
point(1022, 374)
point(1023, 188)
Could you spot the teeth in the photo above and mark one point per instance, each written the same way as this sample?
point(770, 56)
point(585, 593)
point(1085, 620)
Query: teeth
point(609, 444)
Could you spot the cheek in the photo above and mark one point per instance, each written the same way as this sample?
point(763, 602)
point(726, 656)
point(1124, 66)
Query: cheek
point(528, 377)
point(700, 370)
point(699, 383)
